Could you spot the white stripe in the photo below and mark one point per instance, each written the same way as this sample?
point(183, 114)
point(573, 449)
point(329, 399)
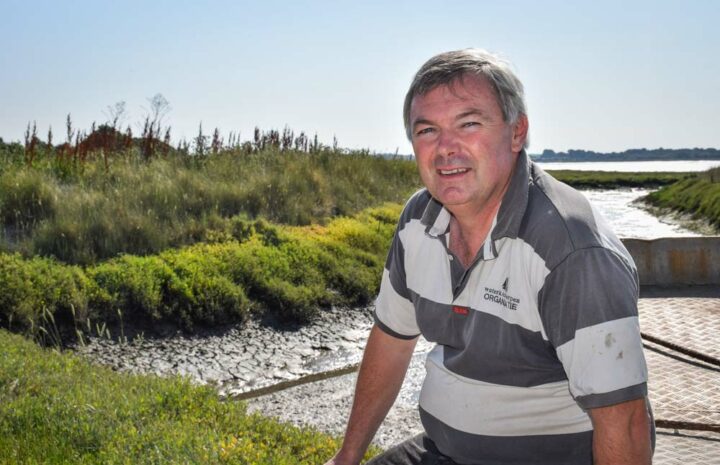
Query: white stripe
point(494, 410)
point(427, 266)
point(525, 271)
point(394, 311)
point(604, 357)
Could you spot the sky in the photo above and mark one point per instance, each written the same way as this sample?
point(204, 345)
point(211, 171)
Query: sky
point(603, 76)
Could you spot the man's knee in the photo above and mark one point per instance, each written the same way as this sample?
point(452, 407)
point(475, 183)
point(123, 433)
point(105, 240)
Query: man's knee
point(418, 450)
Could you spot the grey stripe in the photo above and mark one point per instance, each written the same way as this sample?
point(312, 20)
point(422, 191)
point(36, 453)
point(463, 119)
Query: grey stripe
point(466, 448)
point(486, 348)
point(567, 222)
point(569, 208)
point(389, 331)
point(612, 398)
point(416, 206)
point(514, 204)
point(544, 229)
point(395, 263)
point(431, 211)
point(589, 287)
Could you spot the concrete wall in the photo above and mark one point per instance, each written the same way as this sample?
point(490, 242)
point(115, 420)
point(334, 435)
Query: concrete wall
point(674, 261)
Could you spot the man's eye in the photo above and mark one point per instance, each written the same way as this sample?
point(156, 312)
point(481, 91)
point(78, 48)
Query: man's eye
point(424, 131)
point(470, 124)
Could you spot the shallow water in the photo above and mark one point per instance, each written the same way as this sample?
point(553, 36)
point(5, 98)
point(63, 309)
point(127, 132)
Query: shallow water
point(627, 217)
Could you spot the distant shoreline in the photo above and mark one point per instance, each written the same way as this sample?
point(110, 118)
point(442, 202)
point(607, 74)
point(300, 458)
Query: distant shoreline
point(628, 155)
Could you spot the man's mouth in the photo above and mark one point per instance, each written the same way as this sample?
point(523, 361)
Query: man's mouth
point(453, 171)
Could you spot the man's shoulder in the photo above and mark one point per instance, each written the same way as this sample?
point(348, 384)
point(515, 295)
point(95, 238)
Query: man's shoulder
point(561, 220)
point(415, 207)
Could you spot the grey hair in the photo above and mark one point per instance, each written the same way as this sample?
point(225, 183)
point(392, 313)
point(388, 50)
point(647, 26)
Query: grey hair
point(448, 67)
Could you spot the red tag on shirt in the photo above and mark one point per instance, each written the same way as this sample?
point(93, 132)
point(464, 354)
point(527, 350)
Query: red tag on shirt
point(460, 310)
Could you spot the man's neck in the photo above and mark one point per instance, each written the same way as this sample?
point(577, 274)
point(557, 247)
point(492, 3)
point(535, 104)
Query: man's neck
point(469, 232)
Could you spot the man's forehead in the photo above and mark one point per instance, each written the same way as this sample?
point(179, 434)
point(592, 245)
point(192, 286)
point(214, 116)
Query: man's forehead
point(466, 87)
point(461, 86)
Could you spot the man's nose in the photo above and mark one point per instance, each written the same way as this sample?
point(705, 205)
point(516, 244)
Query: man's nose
point(447, 143)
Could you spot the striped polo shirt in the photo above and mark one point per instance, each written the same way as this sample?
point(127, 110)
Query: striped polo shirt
point(541, 327)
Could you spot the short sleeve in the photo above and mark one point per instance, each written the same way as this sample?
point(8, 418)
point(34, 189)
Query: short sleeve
point(394, 310)
point(588, 306)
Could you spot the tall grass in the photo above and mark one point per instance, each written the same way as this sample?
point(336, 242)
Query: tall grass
point(59, 409)
point(141, 207)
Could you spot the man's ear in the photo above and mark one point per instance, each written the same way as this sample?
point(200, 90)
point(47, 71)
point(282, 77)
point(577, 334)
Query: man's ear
point(520, 133)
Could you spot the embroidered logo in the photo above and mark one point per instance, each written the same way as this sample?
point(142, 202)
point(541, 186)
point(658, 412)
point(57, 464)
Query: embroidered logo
point(502, 297)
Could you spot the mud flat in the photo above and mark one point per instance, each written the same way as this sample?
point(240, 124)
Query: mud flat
point(244, 358)
point(259, 360)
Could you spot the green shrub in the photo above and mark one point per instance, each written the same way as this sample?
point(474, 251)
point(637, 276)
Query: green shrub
point(216, 300)
point(279, 274)
point(33, 289)
point(291, 272)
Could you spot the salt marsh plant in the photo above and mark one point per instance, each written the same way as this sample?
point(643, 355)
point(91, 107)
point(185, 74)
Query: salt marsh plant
point(57, 408)
point(291, 272)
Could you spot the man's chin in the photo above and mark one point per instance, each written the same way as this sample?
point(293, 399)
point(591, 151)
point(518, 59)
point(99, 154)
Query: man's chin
point(452, 196)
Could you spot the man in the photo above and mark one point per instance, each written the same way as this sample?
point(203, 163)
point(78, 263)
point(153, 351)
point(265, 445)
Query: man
point(531, 299)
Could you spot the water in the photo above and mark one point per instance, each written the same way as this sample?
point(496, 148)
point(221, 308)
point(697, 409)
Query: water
point(634, 166)
point(628, 219)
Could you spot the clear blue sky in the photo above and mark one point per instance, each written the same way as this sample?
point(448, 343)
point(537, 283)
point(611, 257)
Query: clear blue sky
point(599, 75)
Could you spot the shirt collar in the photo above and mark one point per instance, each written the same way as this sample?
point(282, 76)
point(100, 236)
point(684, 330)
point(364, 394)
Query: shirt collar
point(514, 202)
point(509, 217)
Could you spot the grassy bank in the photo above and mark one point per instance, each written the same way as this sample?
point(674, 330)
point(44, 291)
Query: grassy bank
point(698, 195)
point(253, 266)
point(57, 409)
point(616, 179)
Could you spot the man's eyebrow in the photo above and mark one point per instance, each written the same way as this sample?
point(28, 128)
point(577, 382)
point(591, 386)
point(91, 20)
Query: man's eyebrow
point(422, 121)
point(473, 112)
point(470, 112)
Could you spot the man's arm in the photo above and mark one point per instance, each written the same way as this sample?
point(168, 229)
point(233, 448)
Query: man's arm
point(622, 434)
point(382, 371)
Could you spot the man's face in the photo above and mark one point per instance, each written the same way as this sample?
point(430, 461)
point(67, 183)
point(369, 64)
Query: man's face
point(464, 150)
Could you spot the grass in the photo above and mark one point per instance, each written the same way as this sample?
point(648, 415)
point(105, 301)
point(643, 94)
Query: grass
point(698, 195)
point(91, 212)
point(56, 408)
point(253, 266)
point(615, 179)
